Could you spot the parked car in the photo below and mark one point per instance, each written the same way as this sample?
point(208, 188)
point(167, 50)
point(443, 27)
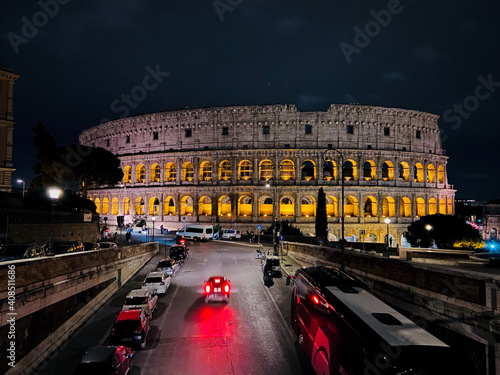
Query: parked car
point(130, 328)
point(106, 360)
point(231, 234)
point(157, 281)
point(271, 266)
point(143, 299)
point(107, 245)
point(91, 246)
point(63, 247)
point(169, 266)
point(179, 253)
point(21, 251)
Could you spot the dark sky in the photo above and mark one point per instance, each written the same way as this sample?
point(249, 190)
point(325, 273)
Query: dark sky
point(77, 59)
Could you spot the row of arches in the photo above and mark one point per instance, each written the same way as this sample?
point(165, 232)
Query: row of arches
point(287, 170)
point(287, 206)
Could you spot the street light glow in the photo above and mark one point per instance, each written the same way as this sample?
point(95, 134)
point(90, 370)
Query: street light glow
point(54, 193)
point(387, 221)
point(428, 227)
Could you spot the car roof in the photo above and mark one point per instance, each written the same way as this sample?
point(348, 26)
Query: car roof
point(156, 274)
point(212, 278)
point(129, 315)
point(138, 293)
point(166, 260)
point(98, 354)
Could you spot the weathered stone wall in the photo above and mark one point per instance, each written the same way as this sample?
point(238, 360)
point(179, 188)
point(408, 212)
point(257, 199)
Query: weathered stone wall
point(40, 233)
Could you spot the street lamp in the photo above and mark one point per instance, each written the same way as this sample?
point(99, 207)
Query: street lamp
point(54, 194)
point(153, 218)
point(387, 221)
point(275, 213)
point(21, 181)
point(428, 227)
point(327, 159)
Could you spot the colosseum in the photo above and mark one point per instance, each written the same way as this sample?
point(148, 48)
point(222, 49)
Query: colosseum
point(242, 165)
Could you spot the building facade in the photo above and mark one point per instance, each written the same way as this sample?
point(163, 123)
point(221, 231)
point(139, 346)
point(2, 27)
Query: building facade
point(491, 219)
point(7, 79)
point(242, 165)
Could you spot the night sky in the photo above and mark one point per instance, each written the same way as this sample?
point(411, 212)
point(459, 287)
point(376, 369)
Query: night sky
point(77, 58)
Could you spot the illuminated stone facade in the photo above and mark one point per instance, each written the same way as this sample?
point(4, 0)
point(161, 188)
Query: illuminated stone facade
point(7, 79)
point(213, 165)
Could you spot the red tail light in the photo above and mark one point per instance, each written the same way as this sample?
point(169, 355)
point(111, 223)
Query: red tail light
point(315, 299)
point(141, 328)
point(162, 283)
point(143, 284)
point(208, 288)
point(226, 288)
point(217, 281)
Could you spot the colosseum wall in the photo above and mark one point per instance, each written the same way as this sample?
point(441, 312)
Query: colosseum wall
point(231, 164)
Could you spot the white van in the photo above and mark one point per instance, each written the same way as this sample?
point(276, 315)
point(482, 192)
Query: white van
point(197, 232)
point(229, 234)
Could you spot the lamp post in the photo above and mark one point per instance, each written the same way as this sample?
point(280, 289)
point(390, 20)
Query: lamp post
point(275, 213)
point(428, 227)
point(21, 181)
point(153, 218)
point(54, 194)
point(387, 221)
point(327, 159)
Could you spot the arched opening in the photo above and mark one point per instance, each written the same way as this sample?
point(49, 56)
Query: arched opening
point(418, 172)
point(169, 206)
point(389, 207)
point(405, 207)
point(97, 205)
point(140, 174)
point(351, 207)
point(387, 171)
point(188, 172)
point(404, 171)
point(126, 206)
point(420, 207)
point(139, 206)
point(432, 206)
point(441, 174)
point(114, 206)
point(105, 206)
point(206, 169)
point(370, 208)
point(155, 173)
point(329, 170)
point(245, 170)
point(154, 206)
point(127, 174)
point(350, 170)
point(287, 170)
point(170, 172)
point(370, 238)
point(308, 171)
point(245, 206)
point(308, 206)
point(450, 207)
point(369, 170)
point(187, 208)
point(442, 206)
point(287, 207)
point(266, 206)
point(266, 170)
point(331, 207)
point(205, 206)
point(225, 171)
point(224, 206)
point(431, 173)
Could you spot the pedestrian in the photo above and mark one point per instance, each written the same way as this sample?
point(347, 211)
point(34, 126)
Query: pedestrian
point(251, 237)
point(115, 237)
point(161, 229)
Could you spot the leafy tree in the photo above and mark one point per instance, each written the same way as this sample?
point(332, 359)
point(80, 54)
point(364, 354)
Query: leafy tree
point(446, 231)
point(286, 229)
point(321, 217)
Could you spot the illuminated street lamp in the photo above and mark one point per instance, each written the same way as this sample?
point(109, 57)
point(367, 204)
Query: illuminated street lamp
point(21, 181)
point(54, 194)
point(428, 227)
point(327, 159)
point(387, 221)
point(275, 213)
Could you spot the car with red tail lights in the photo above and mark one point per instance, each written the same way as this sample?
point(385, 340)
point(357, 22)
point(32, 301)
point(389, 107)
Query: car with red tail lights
point(217, 288)
point(158, 282)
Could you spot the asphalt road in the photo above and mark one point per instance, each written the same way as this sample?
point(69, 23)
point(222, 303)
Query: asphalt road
point(249, 335)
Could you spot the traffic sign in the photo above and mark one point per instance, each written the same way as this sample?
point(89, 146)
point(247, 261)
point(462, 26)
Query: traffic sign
point(259, 226)
point(282, 238)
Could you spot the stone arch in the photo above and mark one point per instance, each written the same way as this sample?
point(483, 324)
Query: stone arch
point(126, 206)
point(442, 206)
point(97, 203)
point(169, 206)
point(139, 206)
point(441, 174)
point(154, 206)
point(266, 170)
point(155, 173)
point(405, 207)
point(266, 206)
point(114, 206)
point(387, 171)
point(245, 170)
point(331, 206)
point(420, 207)
point(404, 171)
point(418, 172)
point(329, 170)
point(188, 171)
point(308, 206)
point(225, 171)
point(431, 173)
point(187, 206)
point(369, 170)
point(224, 206)
point(351, 207)
point(127, 174)
point(170, 172)
point(205, 206)
point(370, 238)
point(245, 203)
point(370, 207)
point(105, 206)
point(206, 170)
point(140, 173)
point(287, 170)
point(389, 207)
point(450, 207)
point(308, 170)
point(432, 206)
point(350, 170)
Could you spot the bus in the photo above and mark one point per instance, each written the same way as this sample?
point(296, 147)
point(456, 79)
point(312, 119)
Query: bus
point(345, 329)
point(196, 232)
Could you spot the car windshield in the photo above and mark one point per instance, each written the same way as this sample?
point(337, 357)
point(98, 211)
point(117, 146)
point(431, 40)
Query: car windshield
point(94, 368)
point(135, 301)
point(153, 280)
point(126, 326)
point(13, 250)
point(166, 263)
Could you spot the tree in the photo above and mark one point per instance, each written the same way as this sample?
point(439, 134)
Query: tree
point(321, 217)
point(285, 228)
point(446, 232)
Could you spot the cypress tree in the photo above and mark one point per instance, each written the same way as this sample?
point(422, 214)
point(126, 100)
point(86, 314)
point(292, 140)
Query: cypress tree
point(321, 219)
